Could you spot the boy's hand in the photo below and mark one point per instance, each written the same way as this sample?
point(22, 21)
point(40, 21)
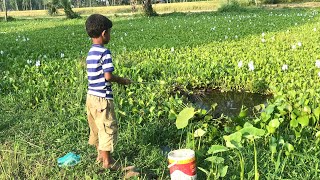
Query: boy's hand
point(126, 81)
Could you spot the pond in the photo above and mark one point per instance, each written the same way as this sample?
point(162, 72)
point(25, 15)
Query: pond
point(229, 103)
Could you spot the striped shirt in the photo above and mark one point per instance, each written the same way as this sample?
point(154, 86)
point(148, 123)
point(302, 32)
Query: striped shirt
point(99, 61)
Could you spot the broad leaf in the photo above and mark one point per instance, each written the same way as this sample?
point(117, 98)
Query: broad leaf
point(215, 159)
point(199, 132)
point(303, 120)
point(274, 123)
point(184, 116)
point(252, 132)
point(216, 149)
point(223, 171)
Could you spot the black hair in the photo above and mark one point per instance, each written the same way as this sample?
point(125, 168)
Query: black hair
point(96, 24)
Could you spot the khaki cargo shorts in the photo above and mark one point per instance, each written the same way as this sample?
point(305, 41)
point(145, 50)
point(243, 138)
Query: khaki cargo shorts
point(102, 122)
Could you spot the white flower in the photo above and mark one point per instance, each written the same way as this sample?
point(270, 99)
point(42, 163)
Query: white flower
point(318, 63)
point(293, 46)
point(44, 56)
point(141, 29)
point(225, 37)
point(299, 44)
point(17, 39)
point(72, 33)
point(1, 52)
point(263, 34)
point(125, 34)
point(250, 65)
point(240, 64)
point(28, 39)
point(62, 55)
point(214, 28)
point(229, 29)
point(319, 73)
point(295, 23)
point(236, 36)
point(29, 61)
point(314, 29)
point(172, 49)
point(38, 63)
point(284, 67)
point(263, 40)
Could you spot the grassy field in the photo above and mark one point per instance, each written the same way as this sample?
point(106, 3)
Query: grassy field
point(120, 10)
point(43, 88)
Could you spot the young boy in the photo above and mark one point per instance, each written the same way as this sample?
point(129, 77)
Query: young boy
point(100, 107)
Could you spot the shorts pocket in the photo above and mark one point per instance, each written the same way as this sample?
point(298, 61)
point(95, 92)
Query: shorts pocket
point(110, 127)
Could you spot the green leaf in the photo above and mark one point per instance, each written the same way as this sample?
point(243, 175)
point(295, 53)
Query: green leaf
point(215, 159)
point(233, 140)
point(303, 120)
point(316, 112)
point(184, 116)
point(205, 171)
point(289, 147)
point(270, 129)
point(223, 171)
point(307, 109)
point(270, 109)
point(318, 135)
point(274, 123)
point(216, 149)
point(247, 124)
point(199, 132)
point(252, 132)
point(243, 113)
point(294, 123)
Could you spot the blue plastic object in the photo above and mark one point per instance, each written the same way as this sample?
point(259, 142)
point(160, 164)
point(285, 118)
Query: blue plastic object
point(69, 159)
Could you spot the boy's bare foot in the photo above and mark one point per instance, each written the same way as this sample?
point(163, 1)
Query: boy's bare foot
point(130, 174)
point(99, 159)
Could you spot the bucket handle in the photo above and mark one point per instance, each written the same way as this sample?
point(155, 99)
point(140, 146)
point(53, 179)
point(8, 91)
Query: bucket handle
point(174, 163)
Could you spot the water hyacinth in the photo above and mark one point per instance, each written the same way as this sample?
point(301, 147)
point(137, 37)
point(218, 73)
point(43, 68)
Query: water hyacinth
point(284, 67)
point(318, 63)
point(251, 66)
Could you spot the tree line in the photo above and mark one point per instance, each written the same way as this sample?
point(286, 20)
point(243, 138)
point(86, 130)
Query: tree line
point(21, 5)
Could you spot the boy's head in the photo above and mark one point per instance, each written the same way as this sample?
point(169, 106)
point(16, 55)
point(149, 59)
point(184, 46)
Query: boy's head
point(99, 26)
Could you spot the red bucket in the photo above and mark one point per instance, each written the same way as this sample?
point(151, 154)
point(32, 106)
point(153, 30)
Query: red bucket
point(182, 164)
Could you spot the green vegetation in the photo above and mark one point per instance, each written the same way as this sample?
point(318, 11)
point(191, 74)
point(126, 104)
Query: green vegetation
point(43, 87)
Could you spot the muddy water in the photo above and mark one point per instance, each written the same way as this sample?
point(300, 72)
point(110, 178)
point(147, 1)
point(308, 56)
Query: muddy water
point(229, 103)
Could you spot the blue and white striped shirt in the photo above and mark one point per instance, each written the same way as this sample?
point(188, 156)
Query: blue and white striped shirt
point(99, 61)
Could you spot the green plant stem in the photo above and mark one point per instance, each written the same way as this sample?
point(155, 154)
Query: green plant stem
point(256, 173)
point(241, 164)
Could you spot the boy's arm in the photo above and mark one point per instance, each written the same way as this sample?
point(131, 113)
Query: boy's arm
point(113, 78)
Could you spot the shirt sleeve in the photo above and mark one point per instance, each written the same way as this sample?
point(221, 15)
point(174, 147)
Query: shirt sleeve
point(107, 65)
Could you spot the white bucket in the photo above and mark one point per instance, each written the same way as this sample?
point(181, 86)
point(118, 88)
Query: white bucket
point(182, 164)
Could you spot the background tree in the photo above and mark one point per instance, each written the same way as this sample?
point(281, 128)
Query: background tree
point(148, 10)
point(68, 10)
point(5, 10)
